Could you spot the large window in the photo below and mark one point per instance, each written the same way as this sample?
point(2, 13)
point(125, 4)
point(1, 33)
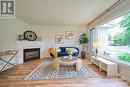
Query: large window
point(114, 39)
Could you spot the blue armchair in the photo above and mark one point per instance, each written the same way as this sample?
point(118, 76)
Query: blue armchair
point(63, 51)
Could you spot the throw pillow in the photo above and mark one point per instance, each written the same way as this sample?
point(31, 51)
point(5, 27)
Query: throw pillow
point(53, 52)
point(62, 49)
point(72, 49)
point(58, 50)
point(75, 50)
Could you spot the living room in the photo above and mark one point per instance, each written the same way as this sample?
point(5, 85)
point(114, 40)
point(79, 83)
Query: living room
point(53, 24)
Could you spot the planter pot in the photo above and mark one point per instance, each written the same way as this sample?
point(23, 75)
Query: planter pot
point(83, 54)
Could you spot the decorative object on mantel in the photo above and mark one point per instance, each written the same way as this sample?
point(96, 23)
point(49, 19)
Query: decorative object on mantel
point(59, 39)
point(39, 39)
point(83, 40)
point(69, 35)
point(30, 35)
point(20, 37)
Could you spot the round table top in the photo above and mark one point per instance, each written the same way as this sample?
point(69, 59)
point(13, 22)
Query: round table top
point(67, 61)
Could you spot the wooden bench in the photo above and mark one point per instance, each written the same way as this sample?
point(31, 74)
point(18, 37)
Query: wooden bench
point(110, 67)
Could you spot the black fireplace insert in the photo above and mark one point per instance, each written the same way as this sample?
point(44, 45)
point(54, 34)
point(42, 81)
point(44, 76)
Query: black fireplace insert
point(31, 54)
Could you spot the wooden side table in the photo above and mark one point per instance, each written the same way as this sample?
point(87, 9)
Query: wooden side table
point(5, 54)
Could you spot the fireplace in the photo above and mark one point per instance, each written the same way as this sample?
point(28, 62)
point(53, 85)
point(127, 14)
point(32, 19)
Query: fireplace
point(31, 54)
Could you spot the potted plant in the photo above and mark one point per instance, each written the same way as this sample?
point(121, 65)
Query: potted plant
point(83, 40)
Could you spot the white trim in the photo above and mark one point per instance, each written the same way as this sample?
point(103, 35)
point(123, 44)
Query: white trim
point(118, 11)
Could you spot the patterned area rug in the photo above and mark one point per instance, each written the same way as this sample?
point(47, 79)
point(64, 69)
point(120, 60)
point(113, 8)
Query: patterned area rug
point(45, 71)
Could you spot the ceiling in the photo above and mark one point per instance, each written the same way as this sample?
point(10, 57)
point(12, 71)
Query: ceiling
point(60, 12)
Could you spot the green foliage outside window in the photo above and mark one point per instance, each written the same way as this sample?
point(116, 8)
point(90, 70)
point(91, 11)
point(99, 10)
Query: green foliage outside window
point(120, 39)
point(125, 24)
point(123, 38)
point(125, 58)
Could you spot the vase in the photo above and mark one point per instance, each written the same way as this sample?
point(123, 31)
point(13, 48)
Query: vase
point(69, 57)
point(20, 37)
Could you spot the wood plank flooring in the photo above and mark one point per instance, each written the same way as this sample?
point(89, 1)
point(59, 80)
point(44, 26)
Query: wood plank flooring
point(14, 77)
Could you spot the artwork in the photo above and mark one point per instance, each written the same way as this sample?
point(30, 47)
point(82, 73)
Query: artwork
point(69, 35)
point(59, 39)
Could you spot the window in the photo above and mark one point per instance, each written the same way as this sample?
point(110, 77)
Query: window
point(92, 39)
point(114, 39)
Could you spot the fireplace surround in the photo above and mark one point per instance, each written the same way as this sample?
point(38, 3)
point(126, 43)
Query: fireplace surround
point(31, 54)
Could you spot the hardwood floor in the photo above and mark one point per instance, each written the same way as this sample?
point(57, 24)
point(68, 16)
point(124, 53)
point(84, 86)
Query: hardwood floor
point(14, 77)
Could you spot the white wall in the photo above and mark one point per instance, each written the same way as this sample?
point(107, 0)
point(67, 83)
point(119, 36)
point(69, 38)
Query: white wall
point(48, 35)
point(11, 28)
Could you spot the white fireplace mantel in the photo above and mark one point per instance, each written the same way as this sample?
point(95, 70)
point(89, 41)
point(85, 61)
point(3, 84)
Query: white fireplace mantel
point(20, 45)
